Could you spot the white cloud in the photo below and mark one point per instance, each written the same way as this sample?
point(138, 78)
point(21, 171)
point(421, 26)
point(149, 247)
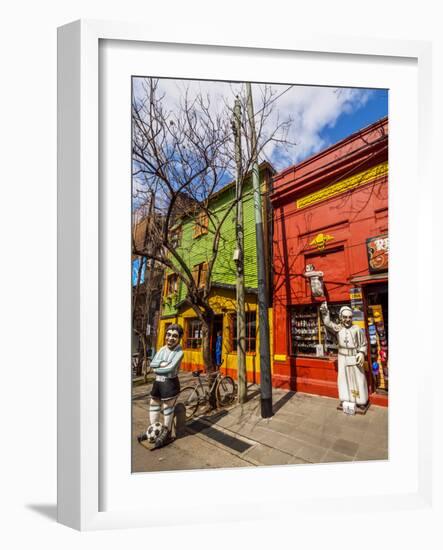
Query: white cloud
point(312, 109)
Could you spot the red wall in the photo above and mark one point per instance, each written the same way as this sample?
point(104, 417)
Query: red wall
point(349, 218)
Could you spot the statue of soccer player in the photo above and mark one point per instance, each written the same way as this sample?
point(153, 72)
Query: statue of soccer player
point(166, 387)
point(352, 348)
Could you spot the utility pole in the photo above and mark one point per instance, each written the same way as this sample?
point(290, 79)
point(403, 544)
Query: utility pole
point(149, 276)
point(239, 259)
point(265, 355)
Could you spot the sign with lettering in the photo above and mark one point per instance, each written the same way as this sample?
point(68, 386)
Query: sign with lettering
point(356, 296)
point(378, 253)
point(344, 186)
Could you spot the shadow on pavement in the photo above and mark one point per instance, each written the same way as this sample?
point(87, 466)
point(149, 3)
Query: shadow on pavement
point(283, 400)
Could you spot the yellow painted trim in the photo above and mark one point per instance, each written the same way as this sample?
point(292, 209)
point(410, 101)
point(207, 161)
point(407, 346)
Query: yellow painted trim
point(342, 186)
point(223, 303)
point(279, 357)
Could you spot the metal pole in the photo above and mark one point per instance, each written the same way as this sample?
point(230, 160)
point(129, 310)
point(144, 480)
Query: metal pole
point(265, 355)
point(239, 259)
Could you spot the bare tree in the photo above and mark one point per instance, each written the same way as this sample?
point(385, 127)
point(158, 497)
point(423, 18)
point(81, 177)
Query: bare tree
point(182, 156)
point(147, 285)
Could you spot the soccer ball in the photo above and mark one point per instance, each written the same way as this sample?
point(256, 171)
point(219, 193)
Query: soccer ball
point(154, 431)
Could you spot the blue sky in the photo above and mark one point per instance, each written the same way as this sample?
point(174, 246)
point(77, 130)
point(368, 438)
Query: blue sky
point(348, 123)
point(320, 116)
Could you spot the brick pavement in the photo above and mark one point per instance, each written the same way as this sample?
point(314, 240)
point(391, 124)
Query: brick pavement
point(304, 429)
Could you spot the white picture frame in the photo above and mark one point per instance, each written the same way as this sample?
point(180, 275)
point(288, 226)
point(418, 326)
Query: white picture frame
point(85, 389)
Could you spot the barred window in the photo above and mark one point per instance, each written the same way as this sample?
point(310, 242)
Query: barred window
point(251, 332)
point(193, 334)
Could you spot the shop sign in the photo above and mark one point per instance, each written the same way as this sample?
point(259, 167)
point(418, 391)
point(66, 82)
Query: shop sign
point(321, 240)
point(378, 253)
point(343, 186)
point(356, 297)
point(315, 280)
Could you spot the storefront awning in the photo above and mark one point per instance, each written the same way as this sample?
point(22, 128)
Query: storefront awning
point(375, 278)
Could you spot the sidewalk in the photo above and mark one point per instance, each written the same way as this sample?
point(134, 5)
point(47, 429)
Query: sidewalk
point(304, 429)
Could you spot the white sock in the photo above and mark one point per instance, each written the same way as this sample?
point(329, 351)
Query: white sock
point(154, 411)
point(168, 413)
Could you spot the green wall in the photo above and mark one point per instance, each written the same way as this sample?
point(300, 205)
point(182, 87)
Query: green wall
point(199, 249)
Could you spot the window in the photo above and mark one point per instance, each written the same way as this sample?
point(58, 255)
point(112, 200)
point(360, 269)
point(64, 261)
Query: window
point(200, 225)
point(171, 284)
point(251, 332)
point(308, 334)
point(193, 334)
point(175, 238)
point(199, 273)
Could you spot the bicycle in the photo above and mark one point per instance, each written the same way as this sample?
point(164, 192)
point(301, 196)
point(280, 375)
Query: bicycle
point(193, 397)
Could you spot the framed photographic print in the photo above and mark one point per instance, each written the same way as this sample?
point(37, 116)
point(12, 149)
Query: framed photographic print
point(226, 319)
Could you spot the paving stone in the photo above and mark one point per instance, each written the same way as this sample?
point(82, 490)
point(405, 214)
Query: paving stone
point(296, 460)
point(315, 433)
point(275, 457)
point(357, 435)
point(311, 453)
point(257, 453)
point(221, 438)
point(282, 426)
point(257, 433)
point(234, 423)
point(304, 428)
point(372, 453)
point(379, 418)
point(183, 454)
point(345, 446)
point(282, 442)
point(310, 425)
point(333, 456)
point(268, 456)
point(333, 430)
point(376, 437)
point(292, 417)
point(321, 415)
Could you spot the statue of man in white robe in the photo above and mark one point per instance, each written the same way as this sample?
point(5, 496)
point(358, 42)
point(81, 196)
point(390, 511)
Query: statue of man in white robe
point(352, 349)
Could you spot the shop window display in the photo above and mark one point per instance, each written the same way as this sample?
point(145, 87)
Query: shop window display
point(308, 334)
point(378, 340)
point(378, 330)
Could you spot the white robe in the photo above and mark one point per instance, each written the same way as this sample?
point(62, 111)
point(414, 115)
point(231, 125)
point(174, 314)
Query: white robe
point(352, 384)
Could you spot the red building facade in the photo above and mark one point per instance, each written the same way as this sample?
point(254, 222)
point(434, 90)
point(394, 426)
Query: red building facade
point(331, 218)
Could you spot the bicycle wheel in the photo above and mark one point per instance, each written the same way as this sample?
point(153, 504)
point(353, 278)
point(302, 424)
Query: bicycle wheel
point(225, 391)
point(134, 364)
point(190, 397)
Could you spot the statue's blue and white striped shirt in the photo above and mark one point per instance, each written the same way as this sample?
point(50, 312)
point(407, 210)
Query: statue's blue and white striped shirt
point(173, 359)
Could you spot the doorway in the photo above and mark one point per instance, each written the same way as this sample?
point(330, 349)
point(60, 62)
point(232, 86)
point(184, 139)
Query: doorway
point(377, 315)
point(217, 340)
